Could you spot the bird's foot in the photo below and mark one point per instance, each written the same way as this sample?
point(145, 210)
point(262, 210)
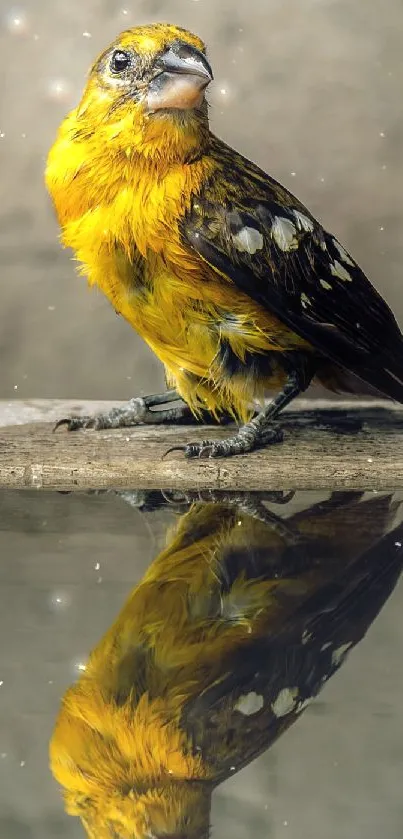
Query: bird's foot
point(135, 412)
point(248, 438)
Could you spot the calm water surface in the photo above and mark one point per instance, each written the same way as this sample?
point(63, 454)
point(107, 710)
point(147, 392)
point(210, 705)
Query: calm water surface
point(68, 564)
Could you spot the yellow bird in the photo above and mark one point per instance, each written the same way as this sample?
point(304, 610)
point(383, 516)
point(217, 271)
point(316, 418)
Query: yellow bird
point(233, 630)
point(229, 279)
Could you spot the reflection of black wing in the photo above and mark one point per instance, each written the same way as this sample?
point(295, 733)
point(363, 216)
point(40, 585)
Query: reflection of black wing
point(269, 245)
point(285, 671)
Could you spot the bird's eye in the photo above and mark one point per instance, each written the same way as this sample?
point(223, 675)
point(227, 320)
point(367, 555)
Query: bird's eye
point(120, 61)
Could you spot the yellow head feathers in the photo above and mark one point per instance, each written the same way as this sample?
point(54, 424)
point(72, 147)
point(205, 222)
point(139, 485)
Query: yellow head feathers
point(145, 93)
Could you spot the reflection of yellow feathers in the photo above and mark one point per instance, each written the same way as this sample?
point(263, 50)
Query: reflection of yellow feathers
point(152, 725)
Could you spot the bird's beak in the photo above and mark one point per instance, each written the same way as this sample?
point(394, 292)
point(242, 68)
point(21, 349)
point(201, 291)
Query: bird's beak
point(182, 76)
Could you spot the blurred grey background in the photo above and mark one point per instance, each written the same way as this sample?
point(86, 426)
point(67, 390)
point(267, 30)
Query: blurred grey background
point(310, 90)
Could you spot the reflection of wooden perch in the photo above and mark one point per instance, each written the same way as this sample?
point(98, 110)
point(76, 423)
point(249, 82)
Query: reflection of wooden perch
point(328, 445)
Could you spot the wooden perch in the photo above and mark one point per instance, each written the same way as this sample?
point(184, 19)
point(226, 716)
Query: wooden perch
point(327, 446)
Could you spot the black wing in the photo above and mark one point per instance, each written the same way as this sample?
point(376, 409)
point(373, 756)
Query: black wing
point(265, 686)
point(251, 230)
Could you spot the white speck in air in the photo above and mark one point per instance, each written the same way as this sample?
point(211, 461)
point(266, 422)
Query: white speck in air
point(293, 174)
point(284, 234)
point(87, 35)
point(381, 228)
point(249, 703)
point(337, 270)
point(80, 666)
point(248, 240)
point(1, 682)
point(232, 768)
point(326, 285)
point(59, 89)
point(97, 566)
point(285, 702)
point(285, 824)
point(59, 601)
point(382, 134)
point(22, 762)
point(398, 545)
point(16, 22)
point(341, 652)
point(325, 646)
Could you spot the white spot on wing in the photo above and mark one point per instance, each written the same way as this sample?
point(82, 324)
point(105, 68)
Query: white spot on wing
point(248, 240)
point(325, 646)
point(284, 234)
point(337, 270)
point(342, 253)
point(305, 301)
point(325, 285)
point(249, 703)
point(285, 702)
point(341, 652)
point(303, 222)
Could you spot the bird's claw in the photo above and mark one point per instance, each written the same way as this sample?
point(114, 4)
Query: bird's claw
point(241, 443)
point(135, 412)
point(192, 450)
point(74, 423)
point(206, 448)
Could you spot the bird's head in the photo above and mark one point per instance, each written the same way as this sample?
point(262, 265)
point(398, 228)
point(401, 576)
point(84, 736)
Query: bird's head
point(146, 93)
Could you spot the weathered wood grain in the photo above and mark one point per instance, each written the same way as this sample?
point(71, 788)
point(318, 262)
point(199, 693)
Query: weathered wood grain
point(328, 445)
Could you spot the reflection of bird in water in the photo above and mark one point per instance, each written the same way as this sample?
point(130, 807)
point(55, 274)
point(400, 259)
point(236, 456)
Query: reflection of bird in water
point(232, 631)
